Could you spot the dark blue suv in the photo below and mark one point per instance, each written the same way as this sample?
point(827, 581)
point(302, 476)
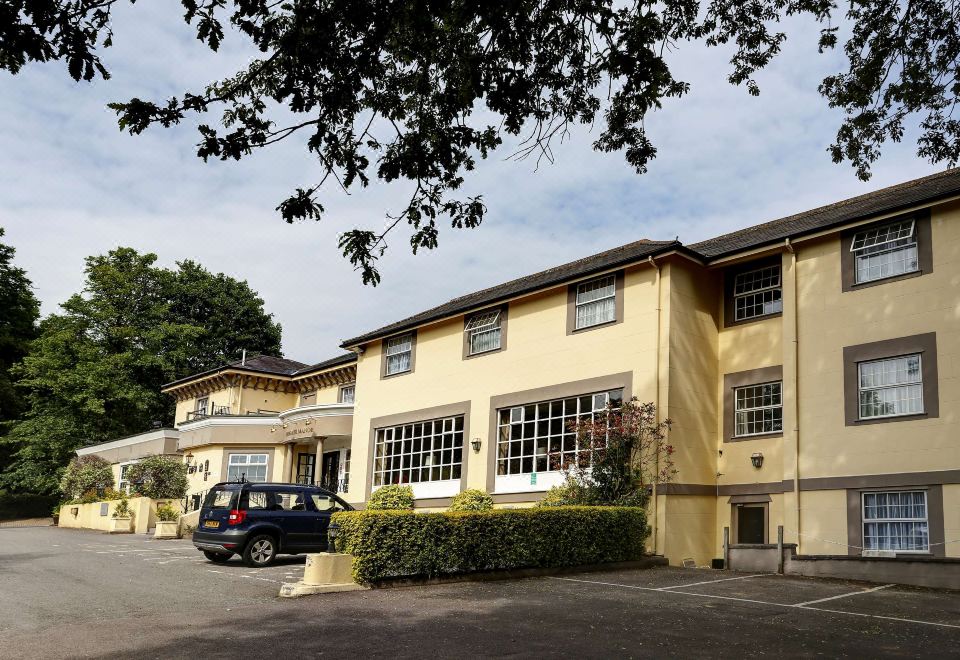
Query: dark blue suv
point(260, 521)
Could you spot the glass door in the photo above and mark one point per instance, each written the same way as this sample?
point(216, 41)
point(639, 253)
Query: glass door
point(330, 471)
point(306, 468)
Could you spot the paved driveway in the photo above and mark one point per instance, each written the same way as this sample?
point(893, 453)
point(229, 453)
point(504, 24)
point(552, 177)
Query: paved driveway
point(66, 593)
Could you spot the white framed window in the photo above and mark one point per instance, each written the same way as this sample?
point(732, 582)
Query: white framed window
point(420, 452)
point(758, 409)
point(203, 403)
point(896, 520)
point(885, 251)
point(483, 332)
point(890, 387)
point(757, 293)
point(124, 483)
point(347, 392)
point(538, 437)
point(247, 467)
point(596, 302)
point(399, 352)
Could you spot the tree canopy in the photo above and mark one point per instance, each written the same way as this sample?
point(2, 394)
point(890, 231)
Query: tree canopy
point(94, 372)
point(19, 310)
point(417, 90)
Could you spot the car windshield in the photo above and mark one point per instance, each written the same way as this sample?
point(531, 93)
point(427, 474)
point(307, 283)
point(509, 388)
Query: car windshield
point(219, 498)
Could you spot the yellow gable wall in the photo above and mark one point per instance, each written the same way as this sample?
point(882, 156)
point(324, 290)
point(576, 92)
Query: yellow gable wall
point(539, 353)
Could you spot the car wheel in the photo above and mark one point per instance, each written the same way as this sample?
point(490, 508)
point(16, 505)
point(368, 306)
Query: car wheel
point(260, 551)
point(216, 557)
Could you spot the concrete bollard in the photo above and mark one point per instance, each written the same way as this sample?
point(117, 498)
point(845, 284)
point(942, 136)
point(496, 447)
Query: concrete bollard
point(328, 568)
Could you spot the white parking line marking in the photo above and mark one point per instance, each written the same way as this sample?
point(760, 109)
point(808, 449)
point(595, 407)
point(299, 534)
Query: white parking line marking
point(852, 593)
point(758, 602)
point(693, 584)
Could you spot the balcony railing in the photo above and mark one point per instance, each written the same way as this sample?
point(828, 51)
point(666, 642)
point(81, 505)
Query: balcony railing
point(210, 411)
point(333, 485)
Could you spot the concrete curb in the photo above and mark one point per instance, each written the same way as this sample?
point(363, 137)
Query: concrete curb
point(298, 589)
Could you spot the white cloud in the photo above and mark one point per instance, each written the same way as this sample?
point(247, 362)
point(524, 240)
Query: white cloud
point(73, 185)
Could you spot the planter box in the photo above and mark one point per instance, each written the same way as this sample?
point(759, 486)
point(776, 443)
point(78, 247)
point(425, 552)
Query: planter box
point(167, 529)
point(120, 525)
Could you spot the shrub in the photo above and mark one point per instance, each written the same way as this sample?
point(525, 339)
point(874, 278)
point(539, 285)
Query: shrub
point(123, 508)
point(391, 544)
point(86, 473)
point(391, 497)
point(472, 499)
point(24, 505)
point(167, 513)
point(159, 477)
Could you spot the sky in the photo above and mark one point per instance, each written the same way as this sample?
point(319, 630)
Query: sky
point(73, 185)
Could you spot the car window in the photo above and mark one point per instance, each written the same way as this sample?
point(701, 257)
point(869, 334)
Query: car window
point(325, 502)
point(220, 499)
point(258, 500)
point(290, 501)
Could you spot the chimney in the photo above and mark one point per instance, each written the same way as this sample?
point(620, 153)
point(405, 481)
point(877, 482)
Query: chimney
point(243, 359)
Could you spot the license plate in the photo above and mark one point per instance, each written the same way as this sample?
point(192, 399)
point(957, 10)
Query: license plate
point(211, 523)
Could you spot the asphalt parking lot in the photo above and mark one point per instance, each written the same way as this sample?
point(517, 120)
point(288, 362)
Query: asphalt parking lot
point(67, 593)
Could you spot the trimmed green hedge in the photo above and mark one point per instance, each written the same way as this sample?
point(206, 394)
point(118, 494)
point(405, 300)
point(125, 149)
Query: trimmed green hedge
point(392, 544)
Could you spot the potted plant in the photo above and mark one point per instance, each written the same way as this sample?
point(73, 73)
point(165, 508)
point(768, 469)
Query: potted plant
point(120, 523)
point(168, 522)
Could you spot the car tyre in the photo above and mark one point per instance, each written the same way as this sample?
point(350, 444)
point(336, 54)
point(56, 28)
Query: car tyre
point(260, 551)
point(216, 557)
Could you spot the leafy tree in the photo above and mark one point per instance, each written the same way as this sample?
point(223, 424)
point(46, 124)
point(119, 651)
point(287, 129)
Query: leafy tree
point(159, 477)
point(86, 473)
point(18, 326)
point(95, 371)
point(621, 451)
point(416, 91)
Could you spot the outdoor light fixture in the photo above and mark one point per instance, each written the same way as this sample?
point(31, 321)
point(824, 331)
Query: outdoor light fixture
point(189, 458)
point(332, 531)
point(475, 443)
point(757, 460)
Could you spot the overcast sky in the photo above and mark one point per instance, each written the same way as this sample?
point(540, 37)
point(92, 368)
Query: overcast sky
point(72, 185)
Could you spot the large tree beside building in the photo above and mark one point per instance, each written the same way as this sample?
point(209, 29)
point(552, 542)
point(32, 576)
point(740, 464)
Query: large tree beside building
point(417, 91)
point(19, 311)
point(95, 370)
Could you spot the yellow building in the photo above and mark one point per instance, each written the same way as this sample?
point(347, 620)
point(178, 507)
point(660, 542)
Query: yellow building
point(809, 365)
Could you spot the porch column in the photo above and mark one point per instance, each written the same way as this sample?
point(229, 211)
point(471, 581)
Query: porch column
point(318, 461)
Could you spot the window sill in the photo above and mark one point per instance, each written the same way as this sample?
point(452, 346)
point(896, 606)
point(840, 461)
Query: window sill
point(856, 286)
point(492, 351)
point(893, 418)
point(576, 331)
point(399, 373)
point(758, 436)
point(755, 319)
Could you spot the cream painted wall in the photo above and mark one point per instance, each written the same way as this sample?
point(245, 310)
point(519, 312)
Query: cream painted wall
point(244, 400)
point(830, 319)
point(690, 520)
point(539, 353)
point(195, 482)
point(951, 519)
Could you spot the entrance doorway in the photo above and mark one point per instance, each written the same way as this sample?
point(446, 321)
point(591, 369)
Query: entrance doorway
point(306, 468)
point(330, 471)
point(751, 522)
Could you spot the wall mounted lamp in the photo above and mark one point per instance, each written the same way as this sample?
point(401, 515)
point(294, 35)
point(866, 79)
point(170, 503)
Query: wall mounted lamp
point(475, 443)
point(757, 460)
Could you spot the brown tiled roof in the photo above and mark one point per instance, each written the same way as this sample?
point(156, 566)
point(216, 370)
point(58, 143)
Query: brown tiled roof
point(886, 200)
point(618, 256)
point(345, 358)
point(264, 364)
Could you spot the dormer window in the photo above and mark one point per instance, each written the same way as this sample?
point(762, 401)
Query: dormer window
point(757, 293)
point(885, 251)
point(483, 332)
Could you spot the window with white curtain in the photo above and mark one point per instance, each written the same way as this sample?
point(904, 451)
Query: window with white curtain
point(347, 392)
point(483, 332)
point(885, 251)
point(399, 354)
point(757, 293)
point(247, 467)
point(896, 520)
point(596, 302)
point(890, 387)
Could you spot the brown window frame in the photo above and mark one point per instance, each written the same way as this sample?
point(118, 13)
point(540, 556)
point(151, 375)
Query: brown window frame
point(935, 519)
point(729, 299)
point(467, 355)
point(848, 261)
point(572, 328)
point(352, 384)
point(738, 379)
point(413, 355)
point(923, 344)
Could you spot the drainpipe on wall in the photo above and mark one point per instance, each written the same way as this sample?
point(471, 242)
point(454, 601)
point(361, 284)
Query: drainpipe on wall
point(796, 388)
point(653, 263)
